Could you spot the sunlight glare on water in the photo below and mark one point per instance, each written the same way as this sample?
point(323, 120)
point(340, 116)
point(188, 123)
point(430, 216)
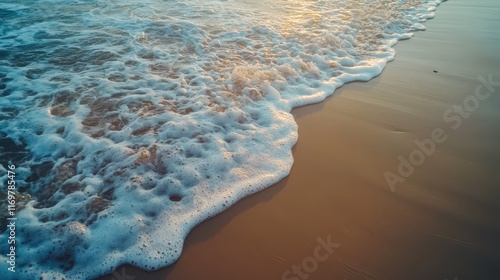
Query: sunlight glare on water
point(130, 122)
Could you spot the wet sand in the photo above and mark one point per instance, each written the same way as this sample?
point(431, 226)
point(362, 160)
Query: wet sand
point(440, 222)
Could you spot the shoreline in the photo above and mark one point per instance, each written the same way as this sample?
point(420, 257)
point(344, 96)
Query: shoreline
point(439, 223)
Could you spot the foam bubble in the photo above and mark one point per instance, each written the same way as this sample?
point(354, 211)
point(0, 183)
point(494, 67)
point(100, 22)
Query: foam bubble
point(133, 121)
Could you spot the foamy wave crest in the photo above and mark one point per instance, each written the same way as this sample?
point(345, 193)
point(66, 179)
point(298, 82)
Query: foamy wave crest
point(130, 122)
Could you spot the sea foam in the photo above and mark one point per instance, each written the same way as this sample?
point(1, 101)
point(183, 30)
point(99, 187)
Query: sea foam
point(130, 122)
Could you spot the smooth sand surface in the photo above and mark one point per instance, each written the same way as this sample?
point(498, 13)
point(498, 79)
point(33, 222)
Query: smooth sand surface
point(442, 222)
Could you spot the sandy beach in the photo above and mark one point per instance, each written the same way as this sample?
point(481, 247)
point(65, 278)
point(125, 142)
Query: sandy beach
point(395, 178)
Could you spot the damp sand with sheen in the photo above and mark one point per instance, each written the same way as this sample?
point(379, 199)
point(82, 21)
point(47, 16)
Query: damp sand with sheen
point(130, 123)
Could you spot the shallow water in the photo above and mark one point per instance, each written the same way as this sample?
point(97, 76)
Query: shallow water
point(132, 121)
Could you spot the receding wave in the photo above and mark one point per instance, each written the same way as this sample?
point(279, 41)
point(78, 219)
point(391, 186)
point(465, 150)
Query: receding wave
point(130, 122)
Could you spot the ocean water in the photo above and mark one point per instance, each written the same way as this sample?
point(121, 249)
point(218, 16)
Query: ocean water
point(130, 122)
